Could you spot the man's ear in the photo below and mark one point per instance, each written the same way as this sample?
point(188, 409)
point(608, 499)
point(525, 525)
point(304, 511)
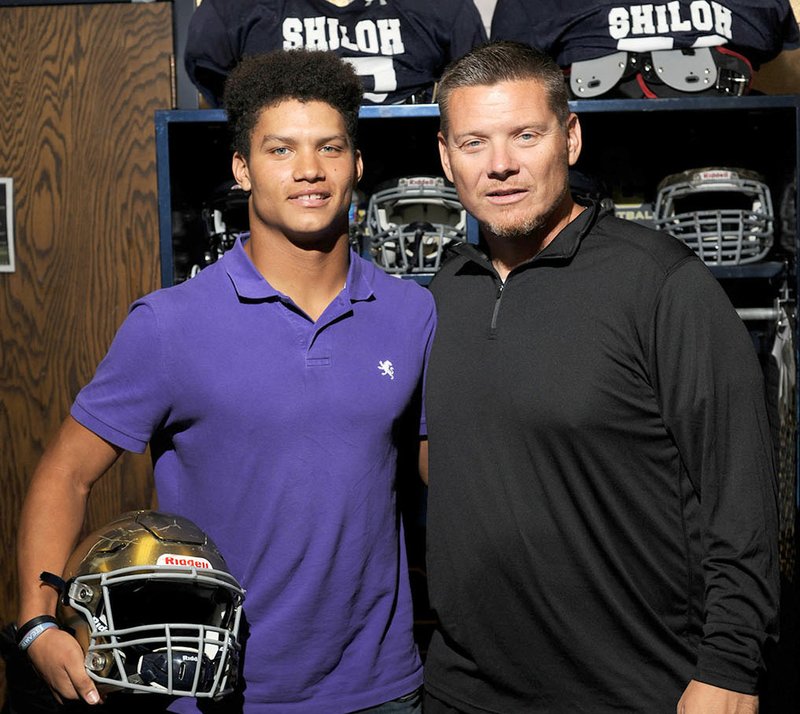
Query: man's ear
point(359, 168)
point(241, 172)
point(444, 156)
point(574, 139)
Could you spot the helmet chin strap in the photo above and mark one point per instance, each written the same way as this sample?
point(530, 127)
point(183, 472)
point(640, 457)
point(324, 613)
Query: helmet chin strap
point(53, 581)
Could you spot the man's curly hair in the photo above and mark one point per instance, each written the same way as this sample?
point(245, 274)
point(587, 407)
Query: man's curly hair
point(265, 80)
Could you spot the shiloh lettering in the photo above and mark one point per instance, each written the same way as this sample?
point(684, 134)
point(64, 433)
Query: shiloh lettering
point(669, 18)
point(372, 37)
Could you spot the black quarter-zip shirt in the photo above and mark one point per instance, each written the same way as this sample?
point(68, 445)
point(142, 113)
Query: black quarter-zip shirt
point(602, 522)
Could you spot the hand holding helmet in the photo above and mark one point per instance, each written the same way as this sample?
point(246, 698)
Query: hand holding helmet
point(58, 659)
point(152, 607)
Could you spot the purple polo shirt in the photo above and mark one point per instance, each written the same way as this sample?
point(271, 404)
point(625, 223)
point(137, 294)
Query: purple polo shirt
point(278, 436)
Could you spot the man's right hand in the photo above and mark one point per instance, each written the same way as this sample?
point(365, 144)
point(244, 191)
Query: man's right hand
point(50, 525)
point(58, 658)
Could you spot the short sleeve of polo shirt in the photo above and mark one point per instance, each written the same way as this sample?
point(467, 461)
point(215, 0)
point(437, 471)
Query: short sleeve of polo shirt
point(430, 329)
point(129, 394)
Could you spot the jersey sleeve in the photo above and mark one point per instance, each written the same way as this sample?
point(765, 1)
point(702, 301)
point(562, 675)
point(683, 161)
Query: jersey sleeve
point(512, 20)
point(468, 30)
point(210, 53)
point(711, 389)
point(790, 27)
point(129, 395)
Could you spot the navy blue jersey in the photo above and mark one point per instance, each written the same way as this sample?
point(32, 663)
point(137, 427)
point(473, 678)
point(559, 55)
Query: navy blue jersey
point(398, 47)
point(574, 30)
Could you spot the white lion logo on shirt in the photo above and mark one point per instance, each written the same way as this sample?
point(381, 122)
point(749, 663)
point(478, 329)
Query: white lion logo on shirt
point(386, 368)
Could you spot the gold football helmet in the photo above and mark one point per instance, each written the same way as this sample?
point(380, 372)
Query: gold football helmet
point(151, 601)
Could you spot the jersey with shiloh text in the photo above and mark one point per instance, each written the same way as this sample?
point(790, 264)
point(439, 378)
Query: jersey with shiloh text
point(398, 47)
point(576, 30)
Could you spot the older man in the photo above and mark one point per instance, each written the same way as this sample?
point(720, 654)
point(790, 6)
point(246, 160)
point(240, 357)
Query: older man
point(602, 511)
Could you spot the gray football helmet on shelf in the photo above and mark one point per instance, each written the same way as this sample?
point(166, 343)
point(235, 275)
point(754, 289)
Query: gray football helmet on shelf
point(410, 222)
point(725, 215)
point(153, 605)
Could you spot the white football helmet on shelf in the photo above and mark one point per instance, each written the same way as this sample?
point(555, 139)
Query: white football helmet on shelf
point(410, 222)
point(724, 215)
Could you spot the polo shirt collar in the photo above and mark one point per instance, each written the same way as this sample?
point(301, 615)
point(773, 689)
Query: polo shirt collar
point(251, 285)
point(566, 243)
point(359, 279)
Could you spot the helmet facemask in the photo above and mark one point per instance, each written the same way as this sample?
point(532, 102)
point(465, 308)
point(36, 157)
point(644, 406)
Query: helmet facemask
point(724, 215)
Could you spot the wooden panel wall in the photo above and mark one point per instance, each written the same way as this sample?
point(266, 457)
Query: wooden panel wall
point(78, 88)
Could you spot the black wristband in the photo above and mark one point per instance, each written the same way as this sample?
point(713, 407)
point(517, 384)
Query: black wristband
point(34, 622)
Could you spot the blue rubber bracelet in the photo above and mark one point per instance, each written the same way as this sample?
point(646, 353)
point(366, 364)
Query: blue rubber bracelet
point(28, 640)
point(26, 627)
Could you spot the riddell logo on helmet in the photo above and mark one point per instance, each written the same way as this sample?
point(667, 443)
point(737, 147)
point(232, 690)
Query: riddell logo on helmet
point(715, 175)
point(183, 561)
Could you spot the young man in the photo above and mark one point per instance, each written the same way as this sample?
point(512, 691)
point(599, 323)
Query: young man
point(276, 391)
point(602, 513)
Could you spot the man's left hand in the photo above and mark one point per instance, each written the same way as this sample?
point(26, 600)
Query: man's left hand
point(701, 698)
